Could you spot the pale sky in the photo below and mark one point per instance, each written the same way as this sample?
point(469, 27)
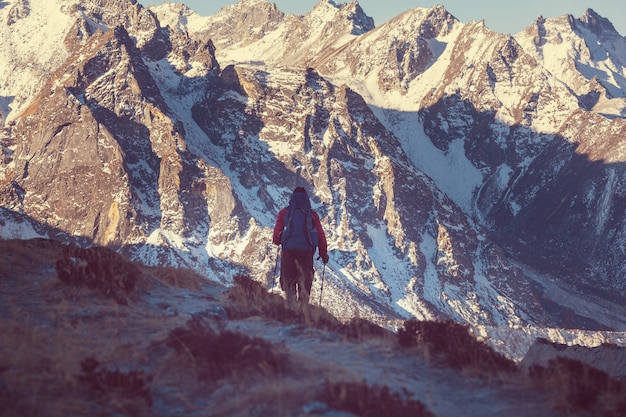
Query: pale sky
point(502, 16)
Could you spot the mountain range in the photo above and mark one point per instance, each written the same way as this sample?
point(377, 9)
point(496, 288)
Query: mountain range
point(459, 173)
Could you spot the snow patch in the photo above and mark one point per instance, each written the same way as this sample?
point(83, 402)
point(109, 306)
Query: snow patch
point(31, 47)
point(451, 170)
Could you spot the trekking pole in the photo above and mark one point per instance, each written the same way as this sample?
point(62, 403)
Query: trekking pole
point(322, 289)
point(276, 264)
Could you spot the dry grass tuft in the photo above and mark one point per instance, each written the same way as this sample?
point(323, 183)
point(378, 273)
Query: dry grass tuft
point(454, 345)
point(177, 277)
point(575, 387)
point(123, 387)
point(100, 269)
point(249, 298)
point(26, 255)
point(221, 354)
point(361, 329)
point(366, 401)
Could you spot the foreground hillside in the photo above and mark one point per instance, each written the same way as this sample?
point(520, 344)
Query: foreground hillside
point(86, 332)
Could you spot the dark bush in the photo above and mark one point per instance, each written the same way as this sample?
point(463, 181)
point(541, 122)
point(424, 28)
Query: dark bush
point(128, 385)
point(365, 401)
point(453, 343)
point(221, 354)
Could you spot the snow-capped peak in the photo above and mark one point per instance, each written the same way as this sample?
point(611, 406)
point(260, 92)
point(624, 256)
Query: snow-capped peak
point(599, 25)
point(328, 11)
point(587, 54)
point(181, 18)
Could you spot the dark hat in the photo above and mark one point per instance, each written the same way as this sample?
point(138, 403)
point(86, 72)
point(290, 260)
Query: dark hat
point(300, 190)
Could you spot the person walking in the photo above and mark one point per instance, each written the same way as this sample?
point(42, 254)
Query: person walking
point(299, 232)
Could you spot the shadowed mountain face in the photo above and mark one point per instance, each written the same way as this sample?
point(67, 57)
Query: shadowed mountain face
point(447, 161)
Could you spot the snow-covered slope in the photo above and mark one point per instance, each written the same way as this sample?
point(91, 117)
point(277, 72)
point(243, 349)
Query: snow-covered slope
point(32, 47)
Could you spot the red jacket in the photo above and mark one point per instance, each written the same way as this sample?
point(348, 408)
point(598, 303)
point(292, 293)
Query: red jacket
point(322, 245)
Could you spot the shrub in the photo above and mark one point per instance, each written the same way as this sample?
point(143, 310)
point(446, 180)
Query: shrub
point(126, 385)
point(221, 354)
point(100, 269)
point(365, 401)
point(453, 343)
point(578, 386)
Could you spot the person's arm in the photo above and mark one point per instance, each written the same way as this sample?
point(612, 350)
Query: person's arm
point(279, 226)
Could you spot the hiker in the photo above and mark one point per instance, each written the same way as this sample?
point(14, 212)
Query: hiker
point(299, 231)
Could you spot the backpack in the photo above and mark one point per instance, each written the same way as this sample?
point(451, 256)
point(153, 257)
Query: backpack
point(299, 234)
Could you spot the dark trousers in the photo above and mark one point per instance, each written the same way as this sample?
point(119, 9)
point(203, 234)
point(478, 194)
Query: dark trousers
point(296, 276)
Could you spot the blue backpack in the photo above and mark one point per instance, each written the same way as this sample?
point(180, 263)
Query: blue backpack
point(299, 235)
